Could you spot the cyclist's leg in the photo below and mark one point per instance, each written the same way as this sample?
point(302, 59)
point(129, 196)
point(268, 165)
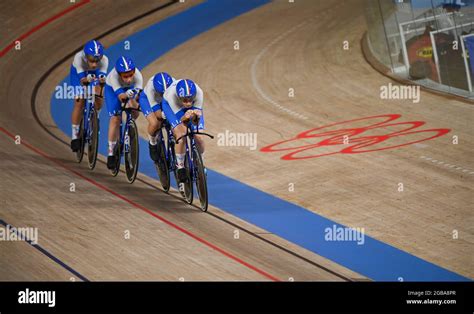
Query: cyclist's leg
point(157, 111)
point(179, 130)
point(78, 108)
point(76, 116)
point(180, 151)
point(115, 114)
point(153, 127)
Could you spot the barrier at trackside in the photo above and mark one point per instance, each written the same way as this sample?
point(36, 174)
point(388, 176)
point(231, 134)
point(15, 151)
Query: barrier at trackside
point(470, 49)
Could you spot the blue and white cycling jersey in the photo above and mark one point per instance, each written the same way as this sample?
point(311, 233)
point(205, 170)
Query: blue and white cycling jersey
point(151, 100)
point(173, 107)
point(114, 86)
point(80, 69)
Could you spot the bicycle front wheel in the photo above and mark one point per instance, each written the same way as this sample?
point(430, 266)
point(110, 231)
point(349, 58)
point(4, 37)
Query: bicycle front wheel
point(132, 153)
point(80, 152)
point(201, 180)
point(188, 186)
point(162, 166)
point(93, 145)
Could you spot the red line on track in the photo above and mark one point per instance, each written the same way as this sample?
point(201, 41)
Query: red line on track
point(41, 25)
point(146, 210)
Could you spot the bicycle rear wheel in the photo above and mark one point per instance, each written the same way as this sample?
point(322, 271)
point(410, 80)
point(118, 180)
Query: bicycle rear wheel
point(201, 180)
point(162, 166)
point(132, 154)
point(80, 136)
point(93, 145)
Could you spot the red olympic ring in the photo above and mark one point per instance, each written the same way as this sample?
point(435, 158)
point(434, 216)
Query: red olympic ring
point(349, 137)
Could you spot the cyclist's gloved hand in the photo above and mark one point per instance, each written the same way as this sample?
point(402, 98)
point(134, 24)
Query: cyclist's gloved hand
point(196, 116)
point(130, 93)
point(188, 114)
point(90, 77)
point(102, 78)
point(198, 113)
point(137, 91)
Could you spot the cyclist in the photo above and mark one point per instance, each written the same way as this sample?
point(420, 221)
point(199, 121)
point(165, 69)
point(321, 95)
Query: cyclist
point(150, 105)
point(123, 83)
point(183, 103)
point(88, 64)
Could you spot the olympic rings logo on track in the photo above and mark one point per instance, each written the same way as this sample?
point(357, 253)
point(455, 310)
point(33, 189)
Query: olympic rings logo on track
point(352, 139)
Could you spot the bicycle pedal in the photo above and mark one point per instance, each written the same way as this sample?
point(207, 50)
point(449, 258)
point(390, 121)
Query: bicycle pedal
point(181, 187)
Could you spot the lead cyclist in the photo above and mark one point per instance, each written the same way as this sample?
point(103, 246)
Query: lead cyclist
point(182, 103)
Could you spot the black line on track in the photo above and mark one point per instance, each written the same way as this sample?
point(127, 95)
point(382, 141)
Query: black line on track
point(64, 59)
point(45, 252)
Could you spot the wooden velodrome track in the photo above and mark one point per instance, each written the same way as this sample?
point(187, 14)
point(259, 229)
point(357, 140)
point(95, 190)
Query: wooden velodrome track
point(172, 241)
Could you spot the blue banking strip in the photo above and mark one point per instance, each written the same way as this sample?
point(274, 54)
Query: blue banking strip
point(374, 259)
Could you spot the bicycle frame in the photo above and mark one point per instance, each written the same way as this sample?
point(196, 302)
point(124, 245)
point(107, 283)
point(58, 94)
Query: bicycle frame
point(89, 108)
point(170, 140)
point(191, 146)
point(124, 138)
point(125, 146)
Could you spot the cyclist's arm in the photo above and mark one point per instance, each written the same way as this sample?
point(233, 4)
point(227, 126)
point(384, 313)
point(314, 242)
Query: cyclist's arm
point(104, 65)
point(138, 77)
point(113, 81)
point(150, 93)
point(122, 97)
point(78, 64)
point(199, 101)
point(198, 105)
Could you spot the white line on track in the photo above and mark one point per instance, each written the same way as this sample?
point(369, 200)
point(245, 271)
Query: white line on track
point(447, 165)
point(253, 71)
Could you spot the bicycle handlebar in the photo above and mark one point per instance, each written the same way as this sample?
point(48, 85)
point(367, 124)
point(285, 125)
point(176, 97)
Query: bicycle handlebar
point(94, 82)
point(192, 133)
